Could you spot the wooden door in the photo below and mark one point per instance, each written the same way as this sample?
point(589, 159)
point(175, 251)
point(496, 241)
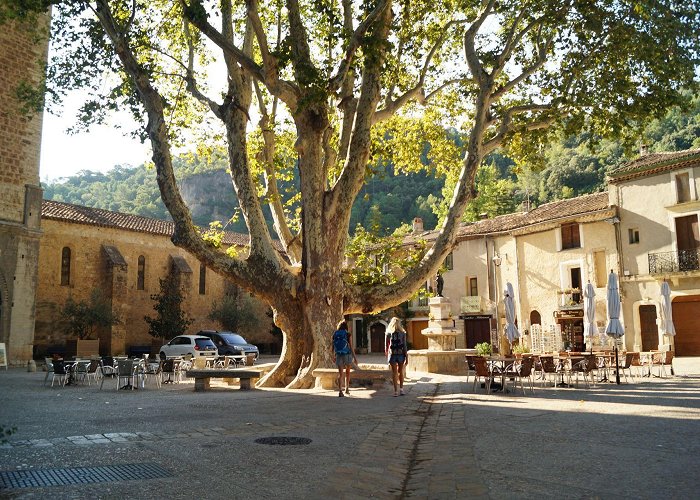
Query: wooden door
point(376, 335)
point(650, 332)
point(476, 331)
point(417, 339)
point(686, 319)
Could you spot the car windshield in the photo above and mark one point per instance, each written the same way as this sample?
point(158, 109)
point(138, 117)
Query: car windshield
point(232, 338)
point(205, 343)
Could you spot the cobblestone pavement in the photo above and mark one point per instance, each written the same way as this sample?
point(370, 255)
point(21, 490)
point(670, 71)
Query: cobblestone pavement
point(441, 440)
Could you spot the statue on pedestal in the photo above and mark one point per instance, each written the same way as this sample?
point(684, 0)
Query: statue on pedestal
point(439, 283)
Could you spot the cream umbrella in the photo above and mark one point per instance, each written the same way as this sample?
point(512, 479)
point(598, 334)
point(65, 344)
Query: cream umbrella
point(667, 327)
point(590, 329)
point(614, 328)
point(509, 302)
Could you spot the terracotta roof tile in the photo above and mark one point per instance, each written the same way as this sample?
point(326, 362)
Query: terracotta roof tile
point(77, 214)
point(548, 213)
point(654, 163)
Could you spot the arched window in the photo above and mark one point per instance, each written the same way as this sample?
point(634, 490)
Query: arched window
point(141, 278)
point(65, 266)
point(202, 279)
point(535, 318)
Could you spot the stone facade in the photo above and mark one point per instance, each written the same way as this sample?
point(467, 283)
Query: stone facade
point(109, 259)
point(20, 193)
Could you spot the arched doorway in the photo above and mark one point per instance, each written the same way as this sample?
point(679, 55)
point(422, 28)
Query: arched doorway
point(535, 318)
point(377, 330)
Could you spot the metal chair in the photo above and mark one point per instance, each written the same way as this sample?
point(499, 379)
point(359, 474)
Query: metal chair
point(60, 371)
point(481, 370)
point(585, 368)
point(520, 370)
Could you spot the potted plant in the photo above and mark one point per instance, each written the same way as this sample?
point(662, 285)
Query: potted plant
point(519, 349)
point(82, 320)
point(483, 349)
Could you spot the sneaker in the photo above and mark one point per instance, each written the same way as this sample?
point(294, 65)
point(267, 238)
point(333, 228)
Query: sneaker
point(340, 394)
point(347, 391)
point(401, 392)
point(395, 394)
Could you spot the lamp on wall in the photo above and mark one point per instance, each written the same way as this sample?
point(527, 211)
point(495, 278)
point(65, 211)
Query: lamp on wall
point(496, 260)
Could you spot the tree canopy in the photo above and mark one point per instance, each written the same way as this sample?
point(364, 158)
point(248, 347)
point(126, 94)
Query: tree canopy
point(333, 85)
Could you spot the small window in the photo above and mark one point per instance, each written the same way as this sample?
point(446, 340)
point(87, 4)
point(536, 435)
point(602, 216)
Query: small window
point(535, 318)
point(633, 235)
point(570, 237)
point(448, 262)
point(141, 278)
point(683, 187)
point(65, 266)
point(473, 287)
point(202, 279)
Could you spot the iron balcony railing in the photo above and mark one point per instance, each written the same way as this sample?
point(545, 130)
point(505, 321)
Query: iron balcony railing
point(673, 262)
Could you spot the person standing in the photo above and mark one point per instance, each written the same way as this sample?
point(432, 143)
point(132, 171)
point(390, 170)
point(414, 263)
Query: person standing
point(343, 355)
point(397, 353)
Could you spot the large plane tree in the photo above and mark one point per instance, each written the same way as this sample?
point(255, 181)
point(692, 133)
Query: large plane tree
point(354, 84)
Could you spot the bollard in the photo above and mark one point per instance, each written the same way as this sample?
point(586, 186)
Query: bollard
point(31, 365)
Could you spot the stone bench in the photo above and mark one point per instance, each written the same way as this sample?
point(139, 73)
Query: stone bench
point(327, 378)
point(204, 375)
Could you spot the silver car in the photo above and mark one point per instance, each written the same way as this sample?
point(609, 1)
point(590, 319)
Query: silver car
point(195, 345)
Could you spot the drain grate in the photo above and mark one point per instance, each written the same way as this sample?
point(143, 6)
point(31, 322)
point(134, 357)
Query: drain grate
point(283, 440)
point(79, 475)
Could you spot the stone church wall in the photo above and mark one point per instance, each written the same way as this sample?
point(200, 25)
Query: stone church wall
point(90, 268)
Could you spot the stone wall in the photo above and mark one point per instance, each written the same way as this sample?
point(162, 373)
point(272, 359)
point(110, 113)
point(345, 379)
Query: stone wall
point(92, 267)
point(20, 194)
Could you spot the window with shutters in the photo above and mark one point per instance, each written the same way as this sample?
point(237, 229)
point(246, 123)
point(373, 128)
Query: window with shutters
point(570, 237)
point(683, 187)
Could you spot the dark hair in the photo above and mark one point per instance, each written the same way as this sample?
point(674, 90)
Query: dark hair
point(342, 326)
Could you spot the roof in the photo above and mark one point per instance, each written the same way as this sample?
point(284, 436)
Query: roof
point(77, 214)
point(588, 207)
point(654, 163)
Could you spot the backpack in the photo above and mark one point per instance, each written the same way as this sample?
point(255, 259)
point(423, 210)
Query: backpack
point(340, 342)
point(396, 346)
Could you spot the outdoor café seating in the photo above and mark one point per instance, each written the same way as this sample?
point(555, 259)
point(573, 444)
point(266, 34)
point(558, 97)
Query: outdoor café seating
point(520, 370)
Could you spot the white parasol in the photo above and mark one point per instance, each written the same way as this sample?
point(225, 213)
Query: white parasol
point(590, 329)
point(667, 327)
point(614, 328)
point(509, 302)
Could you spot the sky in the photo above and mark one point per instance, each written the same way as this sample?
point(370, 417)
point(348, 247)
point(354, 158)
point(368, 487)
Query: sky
point(99, 150)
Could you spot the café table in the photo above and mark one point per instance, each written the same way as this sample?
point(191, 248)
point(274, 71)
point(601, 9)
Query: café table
point(497, 366)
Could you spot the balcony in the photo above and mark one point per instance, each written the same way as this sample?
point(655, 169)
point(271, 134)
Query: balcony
point(570, 298)
point(674, 262)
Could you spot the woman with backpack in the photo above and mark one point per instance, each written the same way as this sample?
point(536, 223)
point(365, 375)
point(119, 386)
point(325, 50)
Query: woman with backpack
point(397, 353)
point(343, 356)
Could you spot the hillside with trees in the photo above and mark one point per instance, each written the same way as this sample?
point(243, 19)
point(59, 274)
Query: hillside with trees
point(572, 167)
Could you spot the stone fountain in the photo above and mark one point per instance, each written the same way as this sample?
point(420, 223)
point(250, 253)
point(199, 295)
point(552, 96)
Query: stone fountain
point(440, 356)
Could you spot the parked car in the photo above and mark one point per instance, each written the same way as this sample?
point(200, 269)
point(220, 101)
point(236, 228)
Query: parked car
point(195, 345)
point(230, 343)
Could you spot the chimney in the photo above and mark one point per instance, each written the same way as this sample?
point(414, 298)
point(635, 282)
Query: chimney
point(643, 149)
point(483, 216)
point(417, 225)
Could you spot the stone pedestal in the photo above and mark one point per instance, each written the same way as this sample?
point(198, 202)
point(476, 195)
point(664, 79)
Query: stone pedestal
point(441, 356)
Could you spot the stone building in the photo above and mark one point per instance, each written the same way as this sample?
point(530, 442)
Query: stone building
point(659, 203)
point(20, 191)
point(548, 254)
point(124, 256)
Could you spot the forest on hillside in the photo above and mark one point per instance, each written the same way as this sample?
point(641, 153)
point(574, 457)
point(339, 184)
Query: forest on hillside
point(571, 167)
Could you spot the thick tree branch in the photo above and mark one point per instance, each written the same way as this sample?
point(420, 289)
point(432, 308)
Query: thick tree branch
point(285, 90)
point(355, 42)
point(185, 234)
point(475, 65)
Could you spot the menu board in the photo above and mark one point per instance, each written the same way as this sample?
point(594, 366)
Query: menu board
point(3, 355)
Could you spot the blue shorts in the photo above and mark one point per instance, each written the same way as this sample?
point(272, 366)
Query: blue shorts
point(397, 358)
point(343, 360)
